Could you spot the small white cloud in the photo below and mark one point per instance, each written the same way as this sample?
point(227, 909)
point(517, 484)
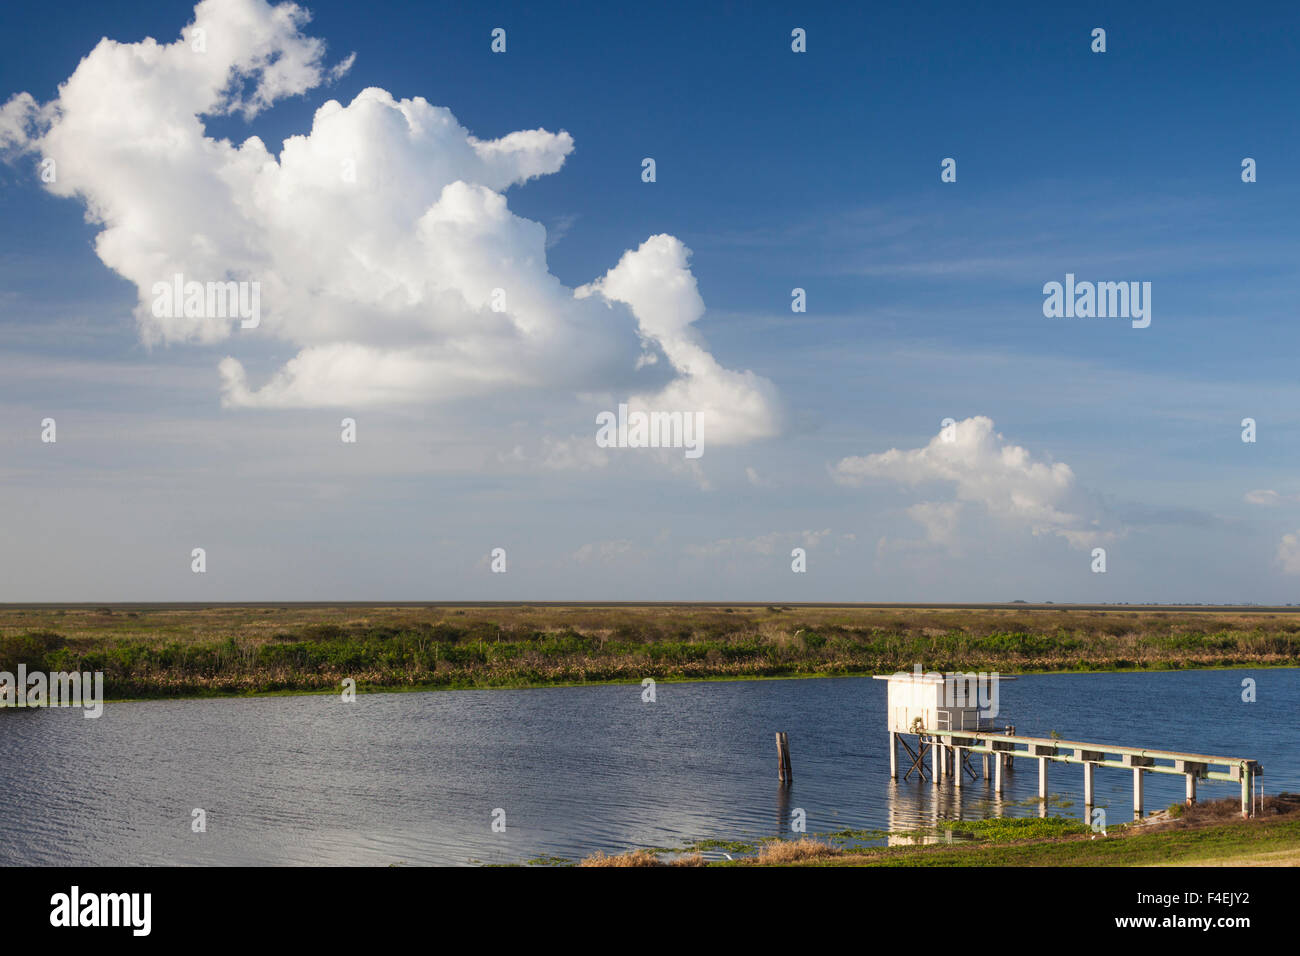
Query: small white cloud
point(987, 471)
point(604, 552)
point(1288, 553)
point(559, 229)
point(767, 544)
point(572, 454)
point(1269, 498)
point(17, 118)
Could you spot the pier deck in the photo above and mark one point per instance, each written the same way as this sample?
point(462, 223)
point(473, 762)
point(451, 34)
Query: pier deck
point(951, 750)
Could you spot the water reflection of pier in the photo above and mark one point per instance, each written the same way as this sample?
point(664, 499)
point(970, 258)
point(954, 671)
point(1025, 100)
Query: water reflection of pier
point(914, 805)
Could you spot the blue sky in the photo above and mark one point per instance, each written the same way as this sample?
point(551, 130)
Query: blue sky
point(776, 170)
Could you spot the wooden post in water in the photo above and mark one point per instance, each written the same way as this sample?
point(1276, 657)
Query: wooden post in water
point(783, 758)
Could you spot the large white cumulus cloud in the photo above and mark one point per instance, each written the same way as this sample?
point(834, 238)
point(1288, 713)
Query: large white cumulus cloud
point(381, 240)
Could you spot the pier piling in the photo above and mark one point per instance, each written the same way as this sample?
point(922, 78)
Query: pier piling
point(783, 771)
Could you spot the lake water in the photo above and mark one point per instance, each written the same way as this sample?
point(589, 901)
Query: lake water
point(414, 778)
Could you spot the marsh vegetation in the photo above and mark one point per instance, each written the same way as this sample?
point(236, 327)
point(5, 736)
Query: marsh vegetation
point(151, 652)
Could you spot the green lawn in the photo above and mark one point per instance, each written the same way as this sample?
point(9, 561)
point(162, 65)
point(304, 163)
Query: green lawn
point(1272, 841)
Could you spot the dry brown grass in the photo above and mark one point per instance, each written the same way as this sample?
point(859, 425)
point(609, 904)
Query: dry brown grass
point(642, 858)
point(634, 858)
point(795, 851)
point(1219, 811)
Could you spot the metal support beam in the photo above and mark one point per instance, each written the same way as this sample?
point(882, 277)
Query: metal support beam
point(893, 755)
point(1042, 778)
point(1137, 792)
point(1088, 769)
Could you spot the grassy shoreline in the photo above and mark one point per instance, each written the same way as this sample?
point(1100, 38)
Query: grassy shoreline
point(432, 688)
point(1206, 834)
point(1209, 834)
point(242, 651)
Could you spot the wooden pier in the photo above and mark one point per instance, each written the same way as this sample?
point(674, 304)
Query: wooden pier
point(946, 713)
point(950, 752)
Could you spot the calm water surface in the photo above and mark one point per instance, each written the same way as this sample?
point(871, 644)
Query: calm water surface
point(414, 778)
